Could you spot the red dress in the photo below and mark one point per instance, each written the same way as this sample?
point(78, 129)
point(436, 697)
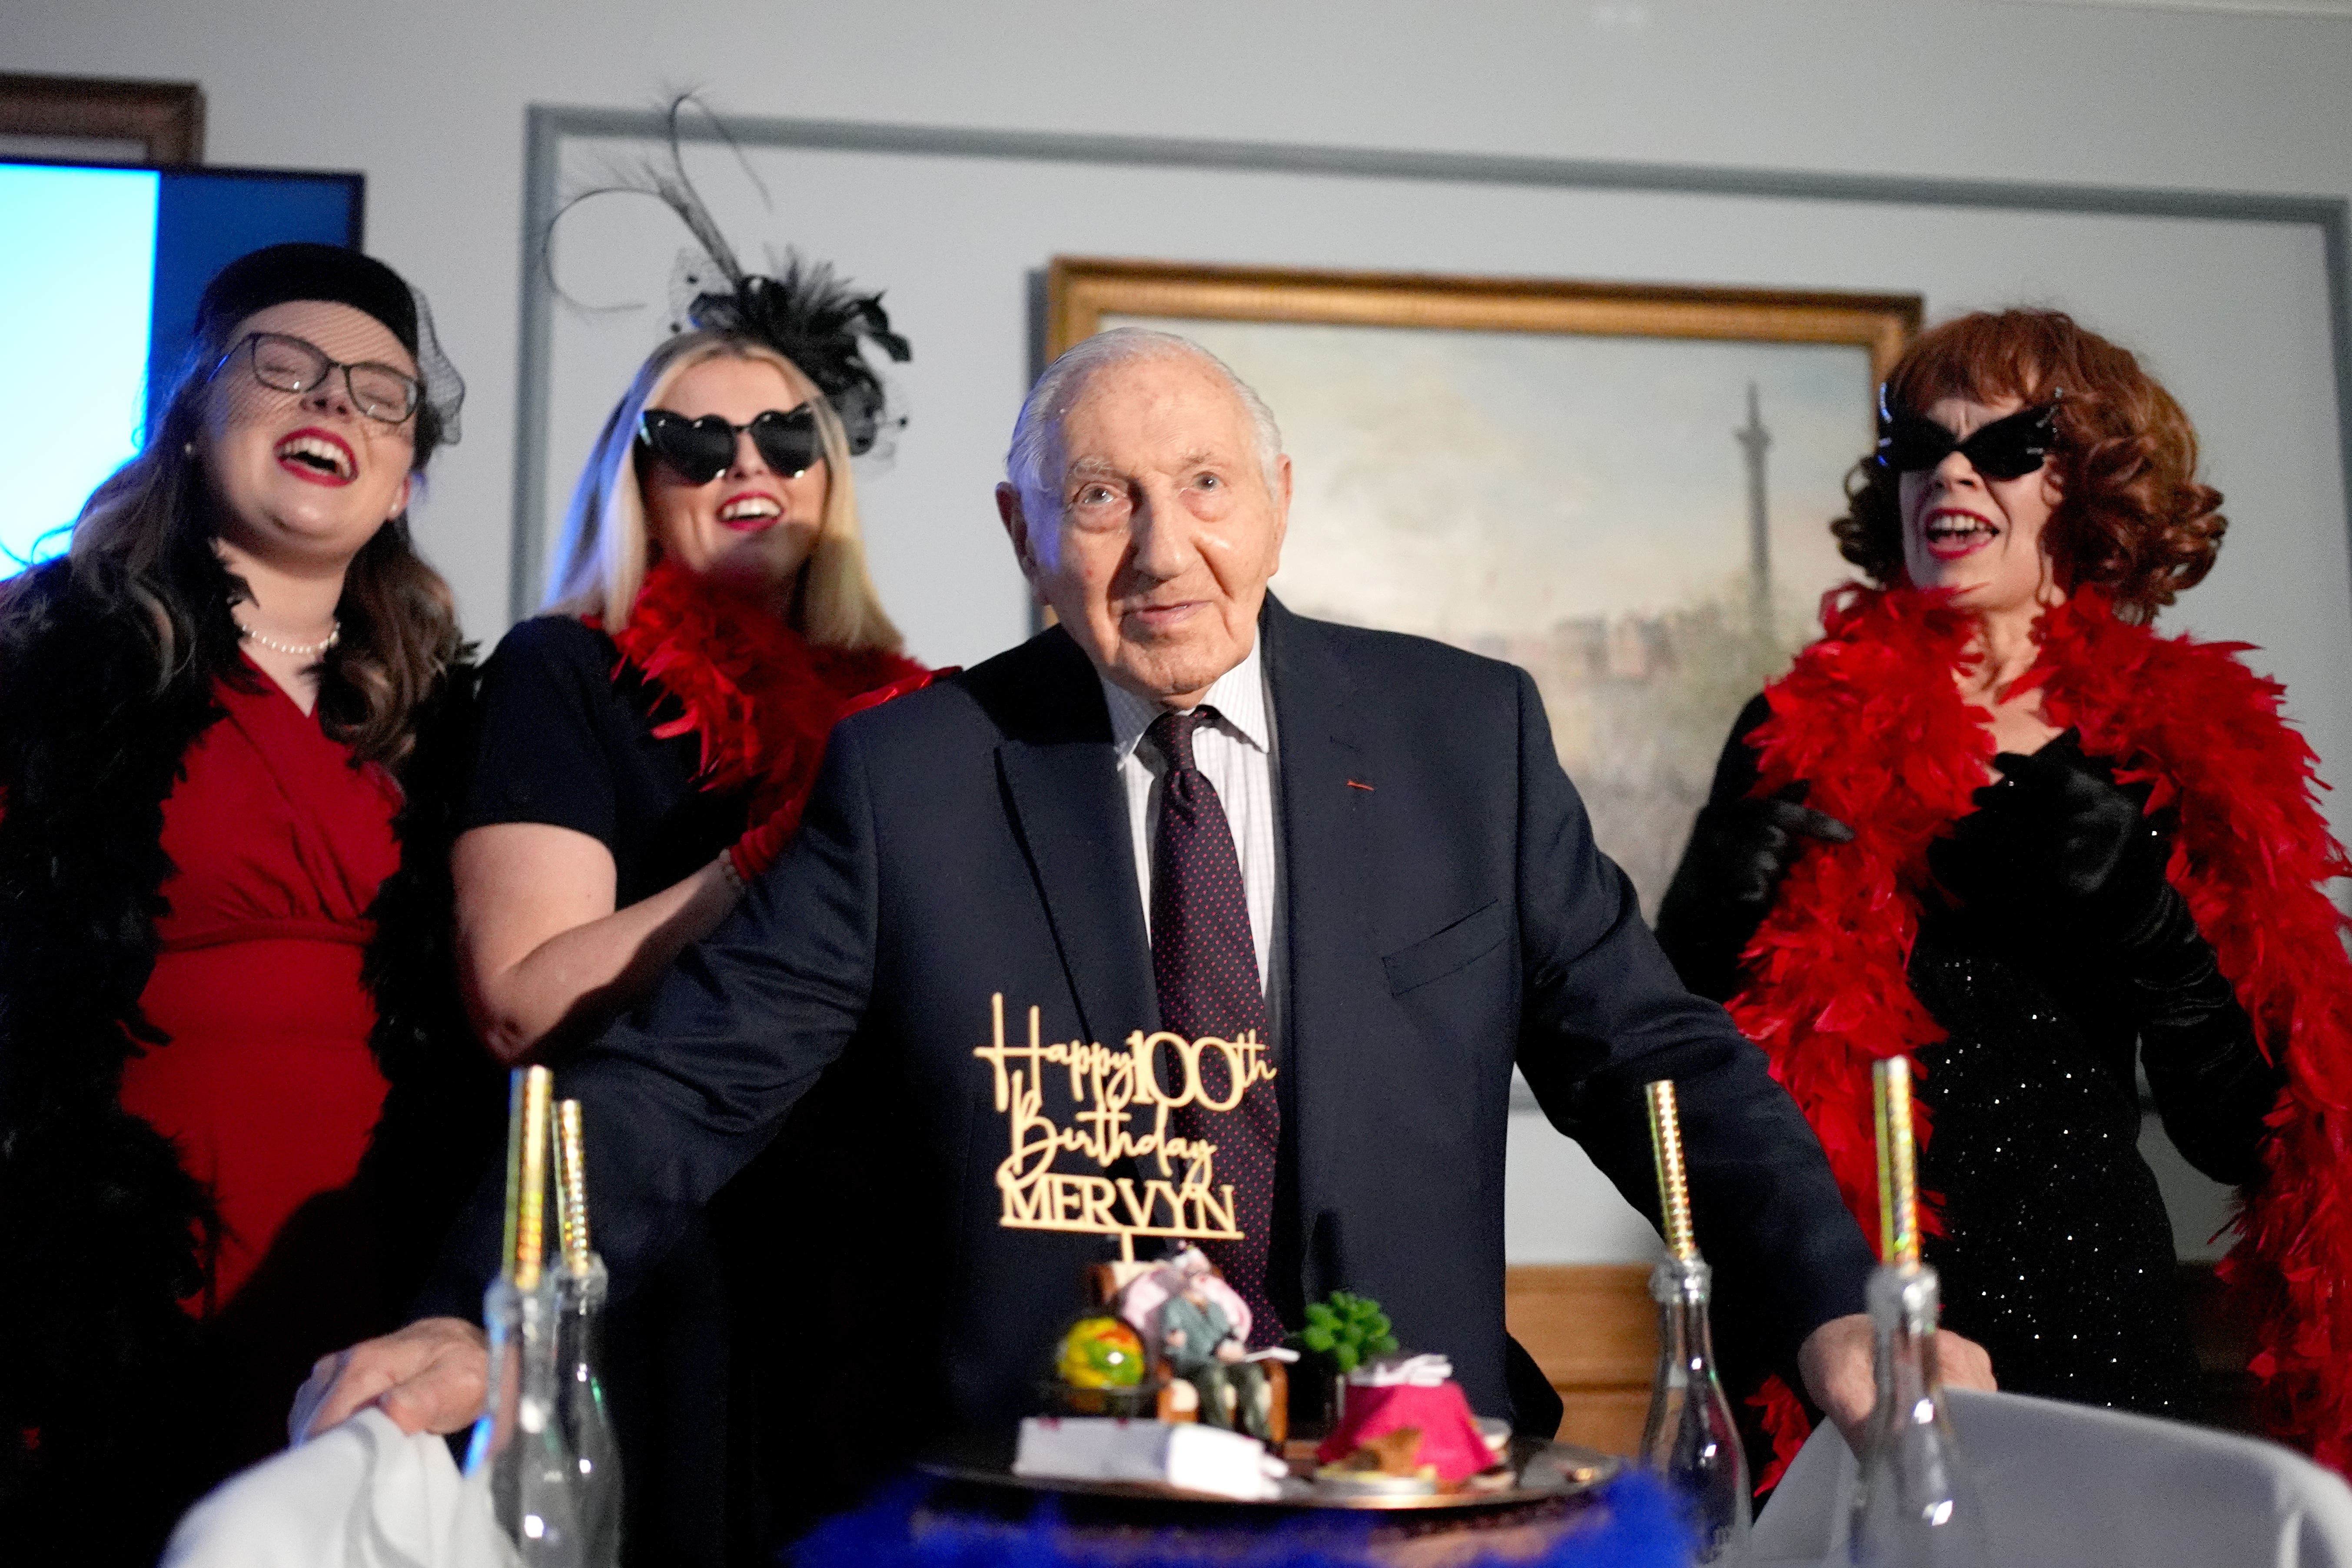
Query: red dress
point(267, 1087)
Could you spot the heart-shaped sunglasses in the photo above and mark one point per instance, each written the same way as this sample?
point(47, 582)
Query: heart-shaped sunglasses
point(699, 450)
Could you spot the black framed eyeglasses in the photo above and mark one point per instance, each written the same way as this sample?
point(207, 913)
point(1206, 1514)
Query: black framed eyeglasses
point(287, 364)
point(2007, 448)
point(699, 450)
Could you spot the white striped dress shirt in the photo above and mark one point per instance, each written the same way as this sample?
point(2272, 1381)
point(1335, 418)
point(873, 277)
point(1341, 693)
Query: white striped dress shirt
point(1235, 752)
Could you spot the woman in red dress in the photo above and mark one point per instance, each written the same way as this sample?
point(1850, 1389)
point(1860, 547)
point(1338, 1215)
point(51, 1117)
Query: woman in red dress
point(235, 1077)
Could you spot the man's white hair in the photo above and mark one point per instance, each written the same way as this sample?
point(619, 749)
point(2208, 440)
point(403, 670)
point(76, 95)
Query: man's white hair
point(1039, 428)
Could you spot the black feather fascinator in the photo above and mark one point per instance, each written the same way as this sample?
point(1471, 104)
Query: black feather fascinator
point(798, 308)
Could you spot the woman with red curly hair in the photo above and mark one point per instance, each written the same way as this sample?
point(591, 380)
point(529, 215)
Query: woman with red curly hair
point(1993, 822)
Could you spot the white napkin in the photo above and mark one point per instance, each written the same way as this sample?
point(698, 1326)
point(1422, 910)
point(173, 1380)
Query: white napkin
point(365, 1495)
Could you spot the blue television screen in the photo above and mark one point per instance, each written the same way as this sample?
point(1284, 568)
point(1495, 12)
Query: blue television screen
point(101, 269)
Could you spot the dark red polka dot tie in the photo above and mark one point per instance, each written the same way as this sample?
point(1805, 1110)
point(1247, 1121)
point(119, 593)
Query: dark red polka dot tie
point(1206, 968)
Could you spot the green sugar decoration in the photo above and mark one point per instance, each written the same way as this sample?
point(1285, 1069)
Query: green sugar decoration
point(1347, 1330)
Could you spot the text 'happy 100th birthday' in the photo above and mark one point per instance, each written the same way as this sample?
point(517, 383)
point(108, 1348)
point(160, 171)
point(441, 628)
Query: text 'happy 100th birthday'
point(1112, 1092)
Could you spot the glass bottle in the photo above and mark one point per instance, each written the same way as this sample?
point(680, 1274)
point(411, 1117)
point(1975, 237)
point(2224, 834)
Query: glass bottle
point(518, 1453)
point(518, 1450)
point(1690, 1439)
point(583, 1414)
point(1915, 1504)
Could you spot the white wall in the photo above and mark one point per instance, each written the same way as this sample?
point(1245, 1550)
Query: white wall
point(428, 98)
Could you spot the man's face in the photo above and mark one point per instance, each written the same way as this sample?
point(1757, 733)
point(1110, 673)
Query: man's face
point(1155, 548)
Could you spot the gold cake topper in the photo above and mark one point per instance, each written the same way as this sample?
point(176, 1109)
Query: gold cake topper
point(1112, 1090)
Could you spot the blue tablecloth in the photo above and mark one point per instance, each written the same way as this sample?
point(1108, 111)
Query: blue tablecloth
point(1630, 1523)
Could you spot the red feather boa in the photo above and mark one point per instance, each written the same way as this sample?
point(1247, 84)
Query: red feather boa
point(759, 696)
point(1872, 719)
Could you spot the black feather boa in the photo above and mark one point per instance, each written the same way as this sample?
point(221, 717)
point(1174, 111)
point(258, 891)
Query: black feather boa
point(102, 1229)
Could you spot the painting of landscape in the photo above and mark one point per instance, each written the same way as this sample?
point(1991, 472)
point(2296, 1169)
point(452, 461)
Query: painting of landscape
point(1642, 522)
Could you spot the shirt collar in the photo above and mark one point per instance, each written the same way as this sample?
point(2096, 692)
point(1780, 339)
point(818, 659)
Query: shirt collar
point(1238, 696)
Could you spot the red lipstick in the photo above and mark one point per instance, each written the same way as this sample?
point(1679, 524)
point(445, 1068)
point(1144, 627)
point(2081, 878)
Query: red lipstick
point(318, 456)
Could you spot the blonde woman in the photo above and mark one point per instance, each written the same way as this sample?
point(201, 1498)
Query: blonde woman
point(646, 743)
point(646, 746)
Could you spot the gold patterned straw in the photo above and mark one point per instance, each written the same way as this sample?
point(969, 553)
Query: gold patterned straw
point(564, 1225)
point(1674, 1188)
point(1898, 1192)
point(530, 1170)
point(570, 1187)
point(514, 1173)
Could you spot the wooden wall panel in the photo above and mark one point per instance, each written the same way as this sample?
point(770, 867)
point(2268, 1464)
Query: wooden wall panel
point(1594, 1330)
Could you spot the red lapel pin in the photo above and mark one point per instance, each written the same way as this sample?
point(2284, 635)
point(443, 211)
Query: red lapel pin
point(1365, 787)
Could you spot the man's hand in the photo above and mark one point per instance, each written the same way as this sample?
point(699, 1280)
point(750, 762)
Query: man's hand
point(428, 1377)
point(1835, 1362)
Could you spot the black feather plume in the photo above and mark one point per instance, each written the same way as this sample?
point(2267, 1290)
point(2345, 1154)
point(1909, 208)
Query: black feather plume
point(804, 311)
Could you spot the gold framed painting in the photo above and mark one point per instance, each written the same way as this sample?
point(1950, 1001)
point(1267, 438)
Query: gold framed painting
point(1624, 488)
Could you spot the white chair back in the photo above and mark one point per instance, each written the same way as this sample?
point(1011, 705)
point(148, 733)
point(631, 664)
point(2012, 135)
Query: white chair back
point(2072, 1486)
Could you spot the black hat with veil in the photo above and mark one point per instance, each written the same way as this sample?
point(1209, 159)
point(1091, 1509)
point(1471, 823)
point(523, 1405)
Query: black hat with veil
point(301, 269)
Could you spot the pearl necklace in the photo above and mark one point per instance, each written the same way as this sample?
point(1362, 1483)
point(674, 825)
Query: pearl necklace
point(297, 650)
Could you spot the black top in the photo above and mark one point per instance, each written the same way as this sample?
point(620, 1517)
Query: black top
point(567, 742)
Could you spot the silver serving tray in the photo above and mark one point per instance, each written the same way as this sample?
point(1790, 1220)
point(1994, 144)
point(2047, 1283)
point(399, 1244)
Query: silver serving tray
point(1542, 1472)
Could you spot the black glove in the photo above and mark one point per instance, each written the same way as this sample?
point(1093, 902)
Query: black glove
point(1739, 850)
point(2211, 1083)
point(2068, 860)
point(2058, 851)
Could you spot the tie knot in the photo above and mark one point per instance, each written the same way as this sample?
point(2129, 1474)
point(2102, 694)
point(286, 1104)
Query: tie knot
point(1173, 733)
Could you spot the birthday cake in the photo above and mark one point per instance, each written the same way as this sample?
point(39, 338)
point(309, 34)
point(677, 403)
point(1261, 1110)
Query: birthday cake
point(1407, 1419)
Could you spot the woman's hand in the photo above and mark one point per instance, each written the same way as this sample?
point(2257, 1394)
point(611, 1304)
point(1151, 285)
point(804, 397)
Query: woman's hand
point(762, 846)
point(2059, 848)
point(759, 849)
point(1739, 851)
point(1751, 844)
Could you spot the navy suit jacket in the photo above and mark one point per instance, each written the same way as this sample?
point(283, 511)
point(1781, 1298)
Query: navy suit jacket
point(1450, 920)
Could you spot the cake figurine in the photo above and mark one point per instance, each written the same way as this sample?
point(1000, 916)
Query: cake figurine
point(1200, 1327)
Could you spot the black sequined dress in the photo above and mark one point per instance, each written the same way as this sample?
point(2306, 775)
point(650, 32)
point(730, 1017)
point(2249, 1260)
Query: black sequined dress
point(2057, 1252)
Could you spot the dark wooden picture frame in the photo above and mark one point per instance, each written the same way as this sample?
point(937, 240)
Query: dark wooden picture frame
point(166, 118)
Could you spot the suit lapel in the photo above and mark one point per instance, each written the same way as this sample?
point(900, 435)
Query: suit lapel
point(1068, 807)
point(1070, 810)
point(1321, 729)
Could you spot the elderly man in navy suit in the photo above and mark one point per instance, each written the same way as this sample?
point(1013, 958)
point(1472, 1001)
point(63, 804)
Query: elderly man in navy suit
point(1186, 807)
